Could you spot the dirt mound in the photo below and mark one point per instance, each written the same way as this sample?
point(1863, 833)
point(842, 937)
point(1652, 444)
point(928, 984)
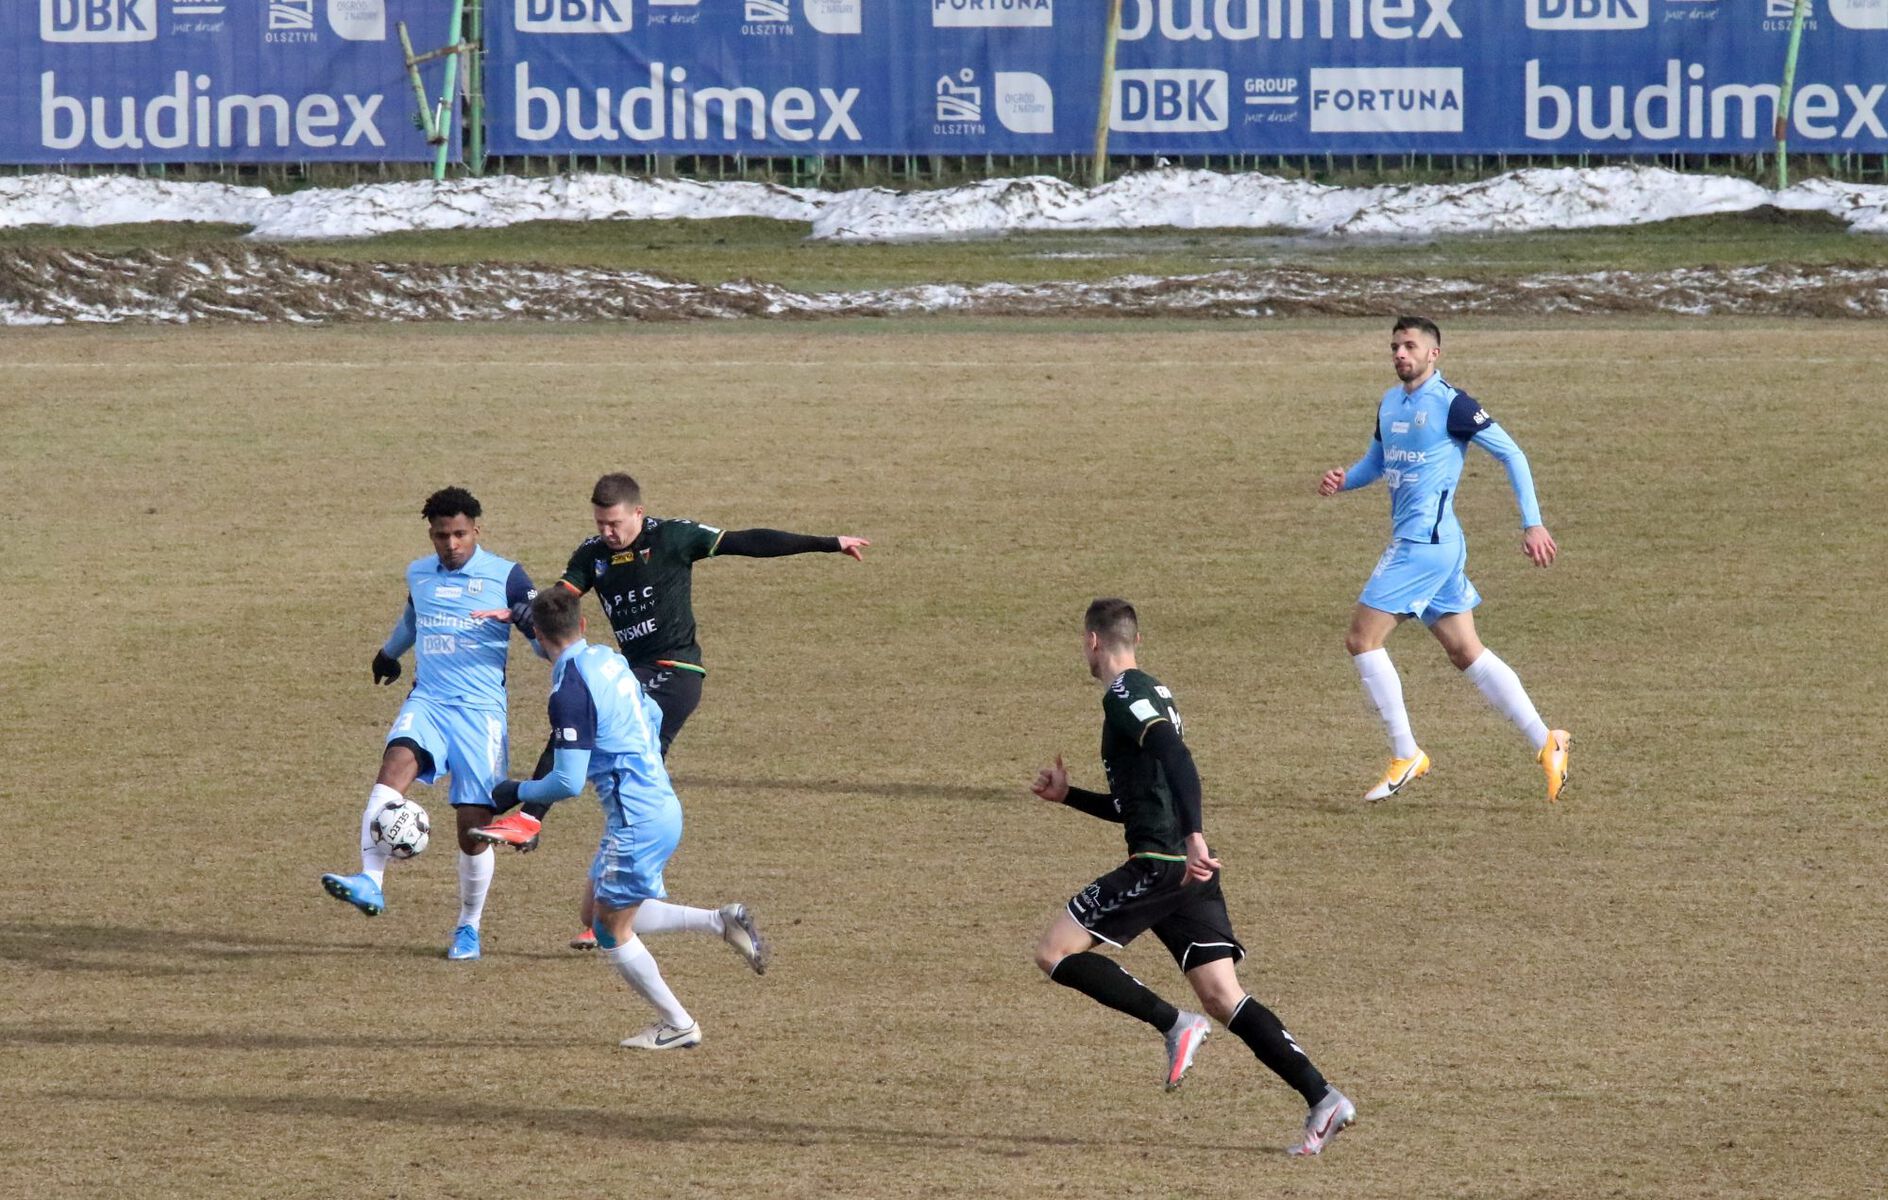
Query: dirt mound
point(255, 284)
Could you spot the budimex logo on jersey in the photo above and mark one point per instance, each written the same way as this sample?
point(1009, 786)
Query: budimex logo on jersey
point(965, 14)
point(1860, 14)
point(1386, 100)
point(1287, 20)
point(572, 16)
point(1169, 100)
point(97, 20)
point(1589, 14)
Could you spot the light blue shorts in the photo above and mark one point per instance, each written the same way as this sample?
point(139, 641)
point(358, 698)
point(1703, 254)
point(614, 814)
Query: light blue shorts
point(1424, 579)
point(628, 867)
point(469, 744)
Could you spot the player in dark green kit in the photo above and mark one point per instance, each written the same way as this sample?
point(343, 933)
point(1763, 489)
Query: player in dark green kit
point(1169, 883)
point(641, 568)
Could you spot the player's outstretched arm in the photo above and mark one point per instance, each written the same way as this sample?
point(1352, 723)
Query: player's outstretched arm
point(569, 768)
point(775, 543)
point(387, 658)
point(1052, 784)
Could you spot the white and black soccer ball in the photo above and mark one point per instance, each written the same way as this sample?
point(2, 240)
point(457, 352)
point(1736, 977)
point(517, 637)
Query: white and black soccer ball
point(402, 828)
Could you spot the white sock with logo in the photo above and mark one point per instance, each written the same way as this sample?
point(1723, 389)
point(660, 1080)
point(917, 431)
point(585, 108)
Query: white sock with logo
point(659, 916)
point(1384, 687)
point(637, 966)
point(374, 856)
point(1502, 686)
point(475, 879)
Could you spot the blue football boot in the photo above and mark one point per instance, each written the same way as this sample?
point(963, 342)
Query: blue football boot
point(358, 890)
point(465, 944)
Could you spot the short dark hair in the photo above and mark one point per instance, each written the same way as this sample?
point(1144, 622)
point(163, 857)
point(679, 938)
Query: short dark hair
point(451, 502)
point(557, 612)
point(1114, 620)
point(1423, 324)
point(614, 489)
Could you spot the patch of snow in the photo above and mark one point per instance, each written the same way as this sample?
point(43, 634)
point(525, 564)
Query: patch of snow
point(1518, 202)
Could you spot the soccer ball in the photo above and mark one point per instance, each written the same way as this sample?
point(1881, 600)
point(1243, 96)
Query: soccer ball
point(402, 828)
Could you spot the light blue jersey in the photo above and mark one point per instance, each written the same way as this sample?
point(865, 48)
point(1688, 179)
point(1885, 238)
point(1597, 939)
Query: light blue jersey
point(1421, 439)
point(606, 730)
point(460, 659)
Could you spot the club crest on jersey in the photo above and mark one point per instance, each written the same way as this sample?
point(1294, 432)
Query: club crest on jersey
point(600, 565)
point(1422, 419)
point(474, 587)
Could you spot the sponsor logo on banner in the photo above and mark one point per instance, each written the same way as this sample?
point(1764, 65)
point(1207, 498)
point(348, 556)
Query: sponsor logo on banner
point(192, 114)
point(958, 106)
point(1023, 102)
point(1287, 20)
point(358, 20)
point(1779, 14)
point(195, 16)
point(834, 16)
point(97, 20)
point(1691, 10)
point(1687, 103)
point(767, 18)
point(1386, 99)
point(965, 14)
point(1272, 99)
point(1589, 14)
point(1860, 14)
point(1169, 100)
point(572, 16)
point(668, 108)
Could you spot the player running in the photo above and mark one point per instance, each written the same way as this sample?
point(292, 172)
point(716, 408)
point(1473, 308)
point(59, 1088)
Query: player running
point(641, 568)
point(1169, 884)
point(604, 729)
point(1423, 431)
point(453, 721)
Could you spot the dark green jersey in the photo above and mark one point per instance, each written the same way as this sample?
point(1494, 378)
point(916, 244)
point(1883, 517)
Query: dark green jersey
point(1130, 706)
point(645, 589)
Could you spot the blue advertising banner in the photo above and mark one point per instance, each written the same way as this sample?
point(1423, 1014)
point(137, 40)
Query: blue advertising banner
point(126, 81)
point(1194, 76)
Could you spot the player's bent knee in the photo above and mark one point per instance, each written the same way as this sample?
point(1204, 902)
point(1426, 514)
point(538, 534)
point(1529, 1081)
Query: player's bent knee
point(1047, 958)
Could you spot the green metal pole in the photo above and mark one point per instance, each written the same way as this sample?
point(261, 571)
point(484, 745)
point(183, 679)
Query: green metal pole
point(1098, 168)
point(1783, 98)
point(419, 85)
point(454, 34)
point(475, 85)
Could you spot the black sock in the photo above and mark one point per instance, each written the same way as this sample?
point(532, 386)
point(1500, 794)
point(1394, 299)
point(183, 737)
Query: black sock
point(1260, 1028)
point(545, 761)
point(1103, 979)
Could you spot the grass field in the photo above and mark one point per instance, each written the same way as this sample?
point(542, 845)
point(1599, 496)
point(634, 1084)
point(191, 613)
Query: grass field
point(1669, 985)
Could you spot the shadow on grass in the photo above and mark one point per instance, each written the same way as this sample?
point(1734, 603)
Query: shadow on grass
point(120, 949)
point(40, 1035)
point(854, 787)
point(625, 1125)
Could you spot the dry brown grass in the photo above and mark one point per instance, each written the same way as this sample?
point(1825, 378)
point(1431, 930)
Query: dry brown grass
point(1670, 985)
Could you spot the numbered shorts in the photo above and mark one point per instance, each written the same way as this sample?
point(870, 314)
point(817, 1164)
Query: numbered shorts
point(628, 867)
point(469, 744)
point(1427, 580)
point(1150, 893)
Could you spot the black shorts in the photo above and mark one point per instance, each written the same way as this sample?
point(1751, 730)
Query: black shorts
point(1151, 893)
point(676, 691)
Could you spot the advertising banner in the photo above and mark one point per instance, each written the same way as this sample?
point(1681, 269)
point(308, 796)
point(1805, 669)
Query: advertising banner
point(127, 81)
point(1194, 76)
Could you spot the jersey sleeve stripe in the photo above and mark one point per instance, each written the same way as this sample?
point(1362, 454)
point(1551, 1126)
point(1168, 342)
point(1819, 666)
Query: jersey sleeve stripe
point(573, 587)
point(1147, 725)
point(717, 546)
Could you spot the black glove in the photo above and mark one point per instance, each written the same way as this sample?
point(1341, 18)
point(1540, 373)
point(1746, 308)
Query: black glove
point(505, 794)
point(386, 667)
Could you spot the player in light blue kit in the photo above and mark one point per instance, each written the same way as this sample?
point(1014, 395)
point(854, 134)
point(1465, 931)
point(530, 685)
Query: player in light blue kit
point(606, 730)
point(453, 721)
point(1424, 428)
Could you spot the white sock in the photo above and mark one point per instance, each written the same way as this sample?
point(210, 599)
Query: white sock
point(374, 856)
point(1384, 687)
point(659, 916)
point(475, 879)
point(1502, 686)
point(637, 966)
